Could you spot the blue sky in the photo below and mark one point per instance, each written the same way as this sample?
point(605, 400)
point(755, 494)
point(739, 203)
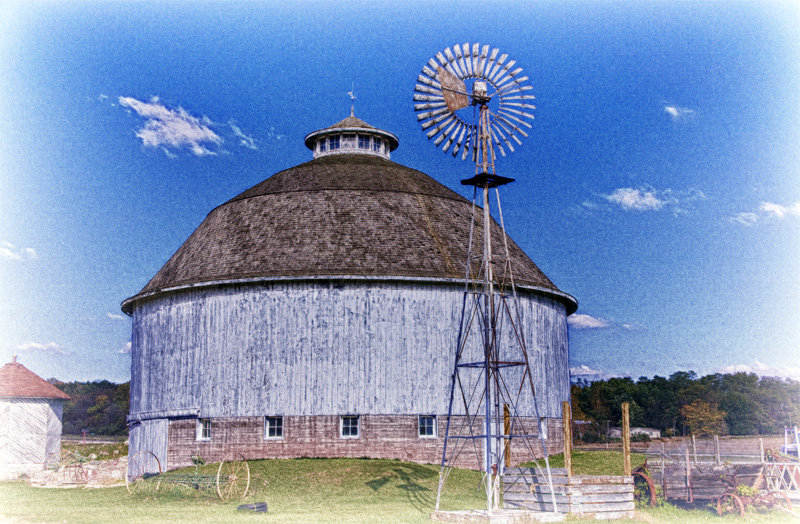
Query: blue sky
point(660, 183)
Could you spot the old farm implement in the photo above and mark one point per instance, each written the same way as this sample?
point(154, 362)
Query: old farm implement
point(231, 481)
point(732, 485)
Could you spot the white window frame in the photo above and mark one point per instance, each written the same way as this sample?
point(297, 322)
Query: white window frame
point(349, 141)
point(267, 418)
point(376, 144)
point(322, 145)
point(364, 139)
point(334, 143)
point(434, 426)
point(358, 426)
point(200, 430)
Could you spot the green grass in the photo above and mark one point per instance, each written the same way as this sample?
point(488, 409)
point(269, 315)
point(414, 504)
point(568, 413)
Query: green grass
point(596, 462)
point(305, 491)
point(103, 451)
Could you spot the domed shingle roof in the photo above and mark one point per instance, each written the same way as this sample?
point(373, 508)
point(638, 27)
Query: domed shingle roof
point(342, 215)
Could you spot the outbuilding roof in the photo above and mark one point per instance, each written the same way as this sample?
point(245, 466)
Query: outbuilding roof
point(18, 381)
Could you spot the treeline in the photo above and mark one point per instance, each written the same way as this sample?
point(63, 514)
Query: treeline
point(683, 404)
point(97, 407)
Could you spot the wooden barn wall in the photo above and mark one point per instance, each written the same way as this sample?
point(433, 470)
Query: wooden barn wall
point(150, 435)
point(321, 348)
point(30, 429)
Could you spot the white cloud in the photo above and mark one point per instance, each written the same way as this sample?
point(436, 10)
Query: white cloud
point(169, 129)
point(762, 370)
point(637, 199)
point(115, 316)
point(244, 140)
point(677, 112)
point(767, 210)
point(125, 349)
point(52, 347)
point(10, 252)
point(780, 211)
point(579, 321)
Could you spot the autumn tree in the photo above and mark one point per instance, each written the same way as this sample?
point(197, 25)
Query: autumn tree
point(704, 419)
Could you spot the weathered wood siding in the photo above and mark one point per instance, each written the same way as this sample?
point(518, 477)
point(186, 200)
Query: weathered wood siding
point(150, 435)
point(30, 429)
point(312, 348)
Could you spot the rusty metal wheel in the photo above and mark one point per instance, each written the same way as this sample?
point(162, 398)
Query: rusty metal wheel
point(144, 473)
point(730, 503)
point(60, 459)
point(233, 478)
point(644, 488)
point(777, 498)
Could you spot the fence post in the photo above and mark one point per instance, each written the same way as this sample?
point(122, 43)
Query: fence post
point(761, 449)
point(694, 449)
point(663, 466)
point(626, 438)
point(566, 421)
point(716, 449)
point(506, 431)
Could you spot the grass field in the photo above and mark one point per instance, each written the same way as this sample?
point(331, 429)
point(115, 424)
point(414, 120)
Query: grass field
point(308, 491)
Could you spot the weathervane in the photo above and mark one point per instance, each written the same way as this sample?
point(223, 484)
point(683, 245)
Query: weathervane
point(491, 371)
point(352, 99)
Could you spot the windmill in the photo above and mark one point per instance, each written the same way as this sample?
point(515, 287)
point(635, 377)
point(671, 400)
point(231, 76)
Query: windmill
point(492, 395)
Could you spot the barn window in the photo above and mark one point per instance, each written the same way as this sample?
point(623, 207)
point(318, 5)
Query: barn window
point(273, 427)
point(204, 429)
point(349, 426)
point(333, 143)
point(427, 426)
point(376, 144)
point(322, 145)
point(349, 141)
point(363, 142)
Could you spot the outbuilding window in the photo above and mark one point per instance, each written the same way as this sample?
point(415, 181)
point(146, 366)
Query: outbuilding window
point(427, 426)
point(204, 429)
point(349, 426)
point(273, 428)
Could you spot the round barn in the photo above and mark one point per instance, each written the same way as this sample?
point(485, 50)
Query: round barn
point(315, 314)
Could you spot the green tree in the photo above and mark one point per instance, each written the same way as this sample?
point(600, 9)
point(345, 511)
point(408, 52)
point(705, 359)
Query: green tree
point(704, 418)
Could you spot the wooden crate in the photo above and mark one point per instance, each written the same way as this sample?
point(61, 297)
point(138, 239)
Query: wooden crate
point(597, 496)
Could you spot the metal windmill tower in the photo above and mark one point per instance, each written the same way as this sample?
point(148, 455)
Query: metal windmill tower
point(492, 387)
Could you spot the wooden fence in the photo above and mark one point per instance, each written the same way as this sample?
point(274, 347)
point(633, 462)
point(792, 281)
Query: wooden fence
point(593, 496)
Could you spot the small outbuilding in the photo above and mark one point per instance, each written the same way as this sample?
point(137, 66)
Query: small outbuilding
point(30, 420)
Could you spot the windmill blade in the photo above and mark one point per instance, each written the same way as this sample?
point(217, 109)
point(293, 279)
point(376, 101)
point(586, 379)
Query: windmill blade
point(519, 97)
point(436, 120)
point(518, 90)
point(499, 80)
point(498, 128)
point(467, 58)
point(517, 104)
point(433, 132)
point(515, 111)
point(429, 72)
point(431, 114)
point(422, 79)
point(461, 63)
point(452, 136)
point(496, 67)
point(512, 126)
point(432, 64)
point(460, 138)
point(428, 98)
point(512, 77)
point(476, 55)
point(445, 133)
point(451, 59)
point(468, 143)
point(482, 61)
point(425, 107)
point(489, 63)
point(509, 131)
point(512, 117)
point(516, 82)
point(429, 90)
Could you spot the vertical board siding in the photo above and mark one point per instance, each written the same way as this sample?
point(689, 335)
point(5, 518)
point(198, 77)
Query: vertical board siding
point(323, 348)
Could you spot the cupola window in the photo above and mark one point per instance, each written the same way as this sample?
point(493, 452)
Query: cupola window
point(363, 142)
point(376, 144)
point(349, 141)
point(334, 142)
point(322, 145)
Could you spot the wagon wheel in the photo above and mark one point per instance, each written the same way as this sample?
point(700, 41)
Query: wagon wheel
point(649, 488)
point(777, 498)
point(730, 503)
point(233, 478)
point(144, 471)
